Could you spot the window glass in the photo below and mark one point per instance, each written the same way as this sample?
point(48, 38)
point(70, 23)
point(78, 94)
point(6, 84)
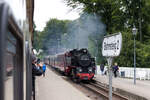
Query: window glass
point(68, 60)
point(12, 38)
point(10, 64)
point(10, 47)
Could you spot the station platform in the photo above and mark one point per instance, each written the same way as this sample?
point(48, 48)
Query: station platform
point(126, 87)
point(53, 87)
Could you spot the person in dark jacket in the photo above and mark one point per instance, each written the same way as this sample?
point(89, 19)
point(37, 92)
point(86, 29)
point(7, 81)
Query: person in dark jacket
point(115, 69)
point(33, 75)
point(102, 68)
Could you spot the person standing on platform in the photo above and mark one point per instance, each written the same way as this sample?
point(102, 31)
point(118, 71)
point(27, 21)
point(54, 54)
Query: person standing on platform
point(33, 76)
point(102, 69)
point(44, 69)
point(115, 69)
point(106, 69)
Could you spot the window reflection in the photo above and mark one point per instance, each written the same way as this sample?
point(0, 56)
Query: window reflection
point(10, 47)
point(12, 38)
point(10, 64)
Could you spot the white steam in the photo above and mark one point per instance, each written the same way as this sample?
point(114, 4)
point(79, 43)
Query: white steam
point(84, 27)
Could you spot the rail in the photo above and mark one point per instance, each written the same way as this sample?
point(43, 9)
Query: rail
point(103, 91)
point(96, 87)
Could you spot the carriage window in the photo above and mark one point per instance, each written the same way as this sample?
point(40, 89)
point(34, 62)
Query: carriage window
point(10, 47)
point(12, 38)
point(68, 60)
point(10, 64)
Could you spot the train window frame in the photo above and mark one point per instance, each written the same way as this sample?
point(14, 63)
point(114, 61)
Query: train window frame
point(8, 23)
point(18, 76)
point(29, 71)
point(3, 29)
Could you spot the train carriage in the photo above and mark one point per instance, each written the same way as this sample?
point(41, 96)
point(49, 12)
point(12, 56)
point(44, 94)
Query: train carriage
point(59, 62)
point(16, 27)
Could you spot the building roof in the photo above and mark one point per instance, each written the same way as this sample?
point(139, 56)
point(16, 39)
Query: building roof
point(30, 14)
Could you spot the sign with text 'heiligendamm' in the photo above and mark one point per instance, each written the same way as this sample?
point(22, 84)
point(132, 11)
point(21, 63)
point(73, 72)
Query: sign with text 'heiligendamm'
point(112, 45)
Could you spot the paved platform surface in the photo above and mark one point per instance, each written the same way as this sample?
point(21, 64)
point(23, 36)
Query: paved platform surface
point(53, 87)
point(142, 87)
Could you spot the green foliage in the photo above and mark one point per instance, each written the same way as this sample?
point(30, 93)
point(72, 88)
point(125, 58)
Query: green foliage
point(117, 15)
point(126, 57)
point(49, 39)
point(107, 9)
point(121, 15)
point(143, 55)
point(94, 46)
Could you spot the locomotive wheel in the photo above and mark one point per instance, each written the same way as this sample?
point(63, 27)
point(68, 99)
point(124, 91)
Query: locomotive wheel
point(78, 80)
point(74, 78)
point(72, 74)
point(67, 74)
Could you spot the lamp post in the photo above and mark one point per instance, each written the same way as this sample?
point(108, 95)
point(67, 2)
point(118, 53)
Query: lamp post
point(134, 31)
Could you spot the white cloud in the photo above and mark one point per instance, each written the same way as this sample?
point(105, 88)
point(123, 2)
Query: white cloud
point(46, 9)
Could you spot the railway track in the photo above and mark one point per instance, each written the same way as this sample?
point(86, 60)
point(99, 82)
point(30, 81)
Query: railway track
point(99, 89)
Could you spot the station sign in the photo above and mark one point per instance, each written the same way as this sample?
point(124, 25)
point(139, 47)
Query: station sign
point(112, 44)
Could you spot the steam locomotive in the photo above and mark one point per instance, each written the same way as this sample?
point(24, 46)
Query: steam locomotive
point(78, 64)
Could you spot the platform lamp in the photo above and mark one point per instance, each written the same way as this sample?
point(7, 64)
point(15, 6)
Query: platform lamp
point(134, 31)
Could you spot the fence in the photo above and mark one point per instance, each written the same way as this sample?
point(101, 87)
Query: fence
point(141, 73)
point(128, 72)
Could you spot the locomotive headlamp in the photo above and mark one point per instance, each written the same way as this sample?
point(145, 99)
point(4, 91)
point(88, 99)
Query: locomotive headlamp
point(90, 69)
point(84, 51)
point(79, 69)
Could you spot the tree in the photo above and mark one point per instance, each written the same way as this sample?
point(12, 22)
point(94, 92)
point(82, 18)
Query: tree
point(137, 13)
point(108, 10)
point(121, 15)
point(49, 39)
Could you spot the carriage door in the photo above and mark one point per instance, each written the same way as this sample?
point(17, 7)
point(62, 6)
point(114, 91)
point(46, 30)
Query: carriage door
point(3, 24)
point(14, 61)
point(11, 57)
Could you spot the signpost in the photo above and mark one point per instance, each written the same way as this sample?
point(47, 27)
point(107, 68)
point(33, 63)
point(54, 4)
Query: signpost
point(112, 45)
point(111, 48)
